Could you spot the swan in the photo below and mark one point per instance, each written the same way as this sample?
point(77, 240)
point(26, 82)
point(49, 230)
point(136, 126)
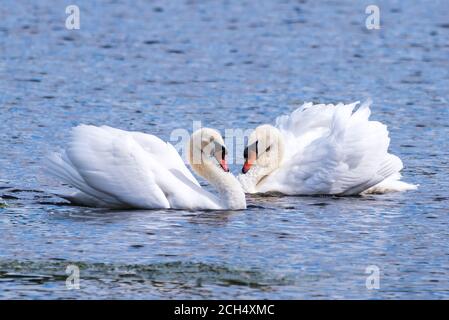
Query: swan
point(322, 149)
point(114, 168)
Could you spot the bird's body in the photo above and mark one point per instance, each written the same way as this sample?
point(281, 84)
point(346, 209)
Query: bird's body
point(120, 169)
point(326, 149)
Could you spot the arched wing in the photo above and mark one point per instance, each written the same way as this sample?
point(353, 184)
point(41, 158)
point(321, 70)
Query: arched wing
point(117, 168)
point(344, 153)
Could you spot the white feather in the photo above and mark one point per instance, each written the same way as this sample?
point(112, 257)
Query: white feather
point(330, 149)
point(115, 168)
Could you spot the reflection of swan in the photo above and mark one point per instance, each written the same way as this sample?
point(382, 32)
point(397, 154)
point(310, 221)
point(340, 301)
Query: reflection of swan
point(121, 169)
point(322, 149)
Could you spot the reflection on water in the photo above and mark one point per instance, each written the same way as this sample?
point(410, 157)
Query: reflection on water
point(158, 67)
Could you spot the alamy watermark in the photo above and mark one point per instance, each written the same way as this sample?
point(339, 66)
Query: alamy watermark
point(234, 139)
point(73, 280)
point(373, 280)
point(72, 22)
point(372, 22)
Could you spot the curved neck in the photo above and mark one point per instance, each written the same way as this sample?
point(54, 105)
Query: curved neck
point(230, 190)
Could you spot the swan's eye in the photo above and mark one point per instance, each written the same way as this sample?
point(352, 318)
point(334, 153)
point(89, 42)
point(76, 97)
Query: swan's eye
point(268, 149)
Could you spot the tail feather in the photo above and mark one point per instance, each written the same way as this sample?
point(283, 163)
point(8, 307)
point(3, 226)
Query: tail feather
point(391, 184)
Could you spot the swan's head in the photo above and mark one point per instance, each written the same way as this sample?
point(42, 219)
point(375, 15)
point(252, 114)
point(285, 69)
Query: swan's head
point(265, 150)
point(207, 150)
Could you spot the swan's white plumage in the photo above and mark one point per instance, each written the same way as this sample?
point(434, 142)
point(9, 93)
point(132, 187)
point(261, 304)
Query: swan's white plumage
point(330, 149)
point(116, 168)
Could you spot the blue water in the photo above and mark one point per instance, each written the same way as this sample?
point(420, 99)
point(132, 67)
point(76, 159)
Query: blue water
point(158, 66)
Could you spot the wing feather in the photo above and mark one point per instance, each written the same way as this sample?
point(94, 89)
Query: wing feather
point(332, 150)
point(116, 168)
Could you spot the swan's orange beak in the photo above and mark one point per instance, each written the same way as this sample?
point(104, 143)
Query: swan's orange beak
point(224, 165)
point(246, 167)
point(252, 156)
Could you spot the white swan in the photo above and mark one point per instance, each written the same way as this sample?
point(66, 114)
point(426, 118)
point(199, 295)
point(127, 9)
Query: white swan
point(322, 149)
point(120, 169)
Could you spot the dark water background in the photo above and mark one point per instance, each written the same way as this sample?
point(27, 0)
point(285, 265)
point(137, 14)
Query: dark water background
point(157, 66)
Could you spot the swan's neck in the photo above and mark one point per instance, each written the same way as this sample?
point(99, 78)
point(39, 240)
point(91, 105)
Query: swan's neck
point(230, 190)
point(250, 181)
